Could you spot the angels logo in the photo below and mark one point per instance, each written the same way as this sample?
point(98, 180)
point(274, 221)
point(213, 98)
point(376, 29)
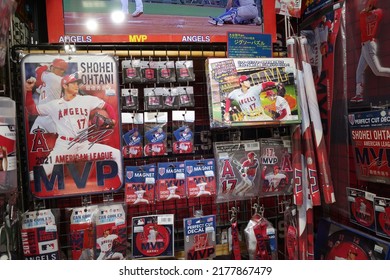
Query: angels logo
point(153, 241)
point(190, 169)
point(129, 174)
point(351, 119)
point(161, 171)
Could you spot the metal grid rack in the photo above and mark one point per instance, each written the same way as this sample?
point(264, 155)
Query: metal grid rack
point(204, 139)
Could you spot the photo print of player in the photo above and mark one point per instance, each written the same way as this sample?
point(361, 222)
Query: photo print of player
point(170, 181)
point(370, 18)
point(237, 91)
point(111, 232)
point(140, 184)
point(82, 154)
point(147, 22)
point(200, 177)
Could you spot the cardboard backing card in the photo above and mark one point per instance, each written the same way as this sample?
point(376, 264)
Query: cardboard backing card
point(140, 184)
point(171, 181)
point(200, 237)
point(361, 208)
point(40, 235)
point(200, 177)
point(382, 216)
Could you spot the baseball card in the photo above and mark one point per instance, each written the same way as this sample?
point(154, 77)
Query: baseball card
point(200, 237)
point(133, 135)
point(82, 232)
point(72, 124)
point(131, 70)
point(183, 123)
point(361, 208)
point(153, 236)
point(338, 242)
point(171, 181)
point(370, 137)
point(256, 91)
point(238, 169)
point(276, 167)
point(140, 184)
point(111, 232)
point(200, 177)
point(382, 216)
point(155, 131)
point(129, 99)
point(40, 235)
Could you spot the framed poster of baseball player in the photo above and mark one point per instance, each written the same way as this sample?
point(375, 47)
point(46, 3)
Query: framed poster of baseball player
point(338, 242)
point(72, 124)
point(382, 216)
point(361, 208)
point(252, 91)
point(370, 138)
point(153, 236)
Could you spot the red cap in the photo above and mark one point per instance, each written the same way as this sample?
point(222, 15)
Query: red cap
point(243, 78)
point(70, 79)
point(276, 167)
point(270, 92)
point(251, 155)
point(60, 63)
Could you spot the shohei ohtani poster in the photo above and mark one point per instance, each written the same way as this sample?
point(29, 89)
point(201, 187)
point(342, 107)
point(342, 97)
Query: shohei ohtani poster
point(71, 110)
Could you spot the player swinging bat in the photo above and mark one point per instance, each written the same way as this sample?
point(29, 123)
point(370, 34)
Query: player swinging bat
point(248, 170)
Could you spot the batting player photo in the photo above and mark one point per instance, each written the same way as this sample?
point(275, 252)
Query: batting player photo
point(369, 19)
point(71, 114)
point(248, 99)
point(248, 171)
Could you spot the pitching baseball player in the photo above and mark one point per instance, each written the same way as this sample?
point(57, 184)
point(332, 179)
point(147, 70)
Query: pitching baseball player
point(273, 180)
point(238, 12)
point(248, 98)
point(172, 191)
point(48, 86)
point(248, 173)
point(201, 184)
point(70, 115)
point(140, 196)
point(283, 110)
point(370, 18)
point(105, 243)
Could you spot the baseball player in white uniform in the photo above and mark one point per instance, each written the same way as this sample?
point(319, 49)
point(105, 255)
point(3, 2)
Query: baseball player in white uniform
point(70, 115)
point(104, 243)
point(283, 110)
point(369, 18)
point(274, 179)
point(48, 83)
point(238, 12)
point(172, 192)
point(248, 98)
point(139, 7)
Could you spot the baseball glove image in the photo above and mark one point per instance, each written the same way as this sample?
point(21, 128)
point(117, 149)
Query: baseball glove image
point(100, 120)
